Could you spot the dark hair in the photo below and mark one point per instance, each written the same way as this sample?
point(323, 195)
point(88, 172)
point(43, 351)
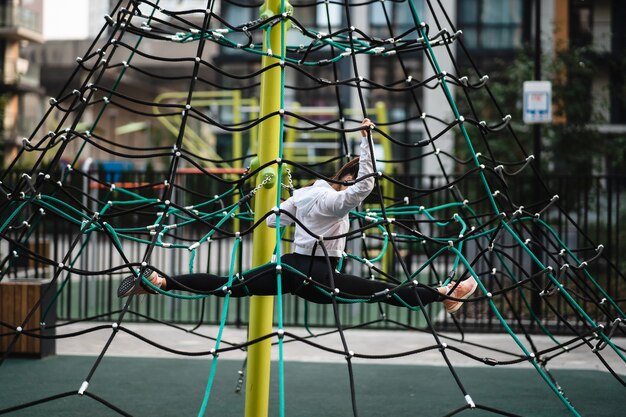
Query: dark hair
point(351, 168)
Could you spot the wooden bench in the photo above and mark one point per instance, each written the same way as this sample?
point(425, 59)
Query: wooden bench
point(17, 298)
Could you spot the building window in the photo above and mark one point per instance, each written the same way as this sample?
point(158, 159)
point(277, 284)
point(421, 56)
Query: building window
point(312, 16)
point(309, 15)
point(400, 15)
point(581, 23)
point(240, 16)
point(329, 13)
point(491, 24)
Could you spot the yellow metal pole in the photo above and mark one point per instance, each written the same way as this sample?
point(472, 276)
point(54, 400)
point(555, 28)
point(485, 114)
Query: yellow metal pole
point(264, 239)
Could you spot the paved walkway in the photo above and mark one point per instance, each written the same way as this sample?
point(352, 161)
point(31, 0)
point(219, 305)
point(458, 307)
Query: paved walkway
point(367, 342)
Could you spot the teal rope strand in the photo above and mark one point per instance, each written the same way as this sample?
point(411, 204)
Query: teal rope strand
point(218, 339)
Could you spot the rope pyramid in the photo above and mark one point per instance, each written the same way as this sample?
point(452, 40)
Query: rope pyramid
point(474, 230)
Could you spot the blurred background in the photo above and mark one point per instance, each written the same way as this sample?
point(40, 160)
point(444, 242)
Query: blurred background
point(580, 46)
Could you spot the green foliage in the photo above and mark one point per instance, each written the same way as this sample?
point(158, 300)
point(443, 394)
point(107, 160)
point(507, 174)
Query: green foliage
point(575, 146)
point(505, 84)
point(572, 144)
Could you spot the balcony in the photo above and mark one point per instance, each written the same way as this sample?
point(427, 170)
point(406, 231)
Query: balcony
point(19, 23)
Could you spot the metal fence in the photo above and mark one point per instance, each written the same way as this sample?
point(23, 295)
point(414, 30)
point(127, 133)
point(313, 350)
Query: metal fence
point(594, 204)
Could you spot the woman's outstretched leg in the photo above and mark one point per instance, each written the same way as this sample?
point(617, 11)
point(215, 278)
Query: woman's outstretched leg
point(354, 287)
point(262, 281)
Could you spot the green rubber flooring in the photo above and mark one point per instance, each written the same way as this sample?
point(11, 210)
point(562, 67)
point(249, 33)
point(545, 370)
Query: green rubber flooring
point(175, 387)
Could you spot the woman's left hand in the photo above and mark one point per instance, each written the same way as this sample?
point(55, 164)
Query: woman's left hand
point(366, 125)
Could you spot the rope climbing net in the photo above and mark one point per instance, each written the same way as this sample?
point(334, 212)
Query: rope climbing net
point(468, 221)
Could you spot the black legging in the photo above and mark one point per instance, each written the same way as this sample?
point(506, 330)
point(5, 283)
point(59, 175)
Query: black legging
point(263, 282)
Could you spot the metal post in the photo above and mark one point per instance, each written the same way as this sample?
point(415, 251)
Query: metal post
point(537, 76)
point(535, 300)
point(264, 240)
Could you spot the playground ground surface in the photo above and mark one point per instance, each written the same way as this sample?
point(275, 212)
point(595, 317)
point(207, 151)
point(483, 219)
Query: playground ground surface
point(145, 381)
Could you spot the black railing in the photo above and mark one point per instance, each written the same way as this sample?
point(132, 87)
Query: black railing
point(593, 207)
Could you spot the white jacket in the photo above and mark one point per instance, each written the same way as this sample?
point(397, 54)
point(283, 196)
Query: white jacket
point(324, 211)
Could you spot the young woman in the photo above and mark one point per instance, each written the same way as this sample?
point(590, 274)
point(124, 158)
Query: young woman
point(322, 208)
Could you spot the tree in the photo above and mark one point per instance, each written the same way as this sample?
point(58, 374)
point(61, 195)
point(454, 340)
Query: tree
point(573, 145)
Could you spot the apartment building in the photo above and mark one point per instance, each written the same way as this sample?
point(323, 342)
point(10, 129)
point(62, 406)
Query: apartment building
point(491, 29)
point(20, 91)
